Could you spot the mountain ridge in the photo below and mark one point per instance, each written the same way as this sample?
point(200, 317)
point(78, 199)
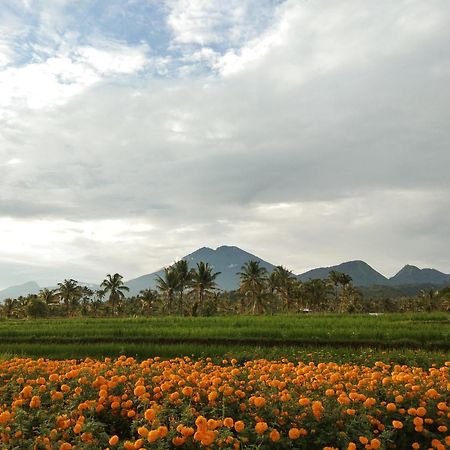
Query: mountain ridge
point(362, 274)
point(228, 259)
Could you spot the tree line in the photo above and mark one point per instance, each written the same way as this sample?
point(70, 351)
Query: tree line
point(188, 291)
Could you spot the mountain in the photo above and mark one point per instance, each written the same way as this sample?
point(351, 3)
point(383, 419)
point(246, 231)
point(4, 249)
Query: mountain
point(413, 275)
point(225, 259)
point(362, 274)
point(22, 289)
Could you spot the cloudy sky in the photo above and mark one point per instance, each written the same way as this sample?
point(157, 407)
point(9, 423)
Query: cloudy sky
point(306, 132)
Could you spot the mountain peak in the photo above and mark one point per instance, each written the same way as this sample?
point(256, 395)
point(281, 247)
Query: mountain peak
point(30, 287)
point(410, 274)
point(362, 274)
point(226, 259)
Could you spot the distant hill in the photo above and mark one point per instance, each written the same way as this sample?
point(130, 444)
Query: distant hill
point(410, 275)
point(225, 259)
point(229, 259)
point(362, 274)
point(20, 290)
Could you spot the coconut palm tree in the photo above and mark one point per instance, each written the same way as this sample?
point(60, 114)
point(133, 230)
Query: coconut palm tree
point(115, 286)
point(49, 296)
point(203, 281)
point(253, 283)
point(9, 307)
point(147, 298)
point(184, 276)
point(168, 285)
point(335, 280)
point(316, 292)
point(70, 293)
point(283, 282)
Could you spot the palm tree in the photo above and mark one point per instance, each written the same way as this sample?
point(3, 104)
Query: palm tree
point(316, 292)
point(70, 293)
point(147, 298)
point(115, 286)
point(184, 276)
point(203, 281)
point(49, 296)
point(428, 297)
point(168, 285)
point(253, 282)
point(335, 280)
point(351, 298)
point(283, 281)
point(9, 307)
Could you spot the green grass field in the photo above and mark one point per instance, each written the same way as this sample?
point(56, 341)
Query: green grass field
point(410, 338)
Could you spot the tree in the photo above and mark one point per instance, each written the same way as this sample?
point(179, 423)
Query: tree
point(253, 283)
point(168, 285)
point(36, 308)
point(147, 298)
point(335, 280)
point(428, 298)
point(115, 286)
point(283, 282)
point(350, 299)
point(70, 293)
point(49, 296)
point(97, 300)
point(202, 282)
point(316, 292)
point(184, 277)
point(9, 307)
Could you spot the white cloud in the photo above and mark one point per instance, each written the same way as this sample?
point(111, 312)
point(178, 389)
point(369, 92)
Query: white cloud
point(53, 81)
point(325, 138)
point(218, 33)
point(114, 59)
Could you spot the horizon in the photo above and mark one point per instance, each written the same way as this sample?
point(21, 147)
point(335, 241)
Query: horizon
point(134, 132)
point(126, 279)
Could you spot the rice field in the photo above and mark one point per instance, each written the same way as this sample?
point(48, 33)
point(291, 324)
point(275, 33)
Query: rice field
point(390, 330)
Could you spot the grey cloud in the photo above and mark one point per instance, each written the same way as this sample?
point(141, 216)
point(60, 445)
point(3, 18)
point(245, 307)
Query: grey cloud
point(354, 128)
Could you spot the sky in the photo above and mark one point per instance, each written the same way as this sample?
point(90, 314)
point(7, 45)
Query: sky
point(309, 133)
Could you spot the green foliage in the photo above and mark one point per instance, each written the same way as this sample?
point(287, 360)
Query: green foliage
point(411, 337)
point(36, 308)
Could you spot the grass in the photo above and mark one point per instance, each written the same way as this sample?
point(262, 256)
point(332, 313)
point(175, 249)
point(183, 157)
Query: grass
point(419, 339)
point(414, 330)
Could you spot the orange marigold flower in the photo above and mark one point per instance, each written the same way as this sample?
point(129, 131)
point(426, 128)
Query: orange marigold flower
point(228, 422)
point(149, 414)
point(397, 424)
point(239, 426)
point(391, 407)
point(259, 402)
point(375, 443)
point(152, 435)
point(261, 427)
point(304, 401)
point(421, 411)
point(294, 433)
point(142, 431)
point(274, 435)
point(65, 446)
point(178, 440)
point(139, 390)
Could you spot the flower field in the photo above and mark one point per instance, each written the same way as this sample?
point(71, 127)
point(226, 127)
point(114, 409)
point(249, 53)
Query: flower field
point(182, 403)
